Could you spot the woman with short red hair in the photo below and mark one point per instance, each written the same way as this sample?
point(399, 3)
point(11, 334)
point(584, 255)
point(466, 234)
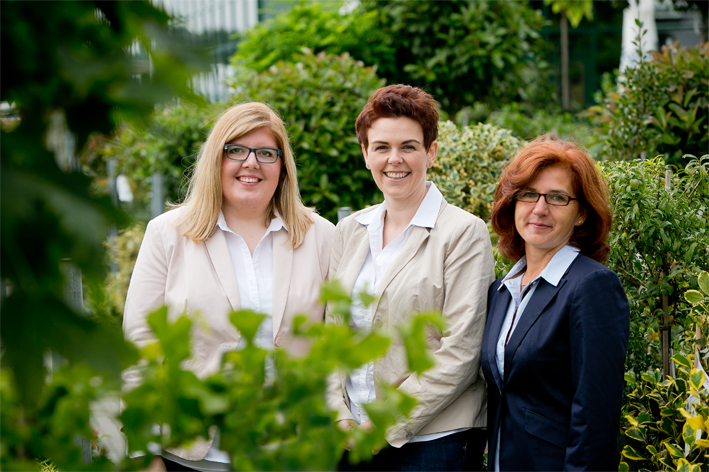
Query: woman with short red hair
point(414, 253)
point(558, 322)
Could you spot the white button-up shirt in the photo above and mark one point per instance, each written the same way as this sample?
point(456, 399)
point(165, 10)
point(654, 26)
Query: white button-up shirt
point(360, 384)
point(254, 279)
point(552, 273)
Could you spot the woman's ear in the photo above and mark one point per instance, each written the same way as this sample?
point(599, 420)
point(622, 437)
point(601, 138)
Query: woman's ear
point(431, 154)
point(364, 153)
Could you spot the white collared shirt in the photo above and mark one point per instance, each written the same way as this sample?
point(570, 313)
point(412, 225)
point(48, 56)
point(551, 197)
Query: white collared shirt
point(254, 279)
point(360, 384)
point(254, 275)
point(552, 273)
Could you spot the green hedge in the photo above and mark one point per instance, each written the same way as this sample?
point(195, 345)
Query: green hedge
point(319, 98)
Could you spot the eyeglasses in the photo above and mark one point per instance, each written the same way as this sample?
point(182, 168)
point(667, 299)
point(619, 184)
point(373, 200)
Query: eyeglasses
point(238, 152)
point(555, 199)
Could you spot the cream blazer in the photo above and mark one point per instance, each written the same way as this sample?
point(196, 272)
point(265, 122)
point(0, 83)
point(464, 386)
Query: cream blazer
point(448, 268)
point(198, 280)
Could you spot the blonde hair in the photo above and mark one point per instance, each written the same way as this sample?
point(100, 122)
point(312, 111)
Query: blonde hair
point(204, 192)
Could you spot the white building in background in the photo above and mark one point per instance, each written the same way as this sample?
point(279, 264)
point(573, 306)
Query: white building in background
point(214, 23)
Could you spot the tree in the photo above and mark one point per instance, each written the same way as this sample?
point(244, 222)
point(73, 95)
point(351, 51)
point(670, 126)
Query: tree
point(571, 11)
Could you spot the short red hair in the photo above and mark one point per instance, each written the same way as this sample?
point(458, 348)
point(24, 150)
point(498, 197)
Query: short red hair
point(394, 101)
point(589, 186)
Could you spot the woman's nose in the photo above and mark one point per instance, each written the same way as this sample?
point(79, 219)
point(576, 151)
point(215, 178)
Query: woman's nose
point(541, 206)
point(395, 157)
point(251, 160)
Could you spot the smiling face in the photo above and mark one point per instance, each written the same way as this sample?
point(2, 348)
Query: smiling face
point(248, 186)
point(398, 159)
point(547, 228)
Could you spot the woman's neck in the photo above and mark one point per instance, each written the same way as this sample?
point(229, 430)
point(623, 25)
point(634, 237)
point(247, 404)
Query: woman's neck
point(537, 261)
point(399, 214)
point(251, 226)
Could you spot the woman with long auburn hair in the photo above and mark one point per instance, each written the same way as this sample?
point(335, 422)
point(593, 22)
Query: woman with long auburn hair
point(557, 327)
point(242, 239)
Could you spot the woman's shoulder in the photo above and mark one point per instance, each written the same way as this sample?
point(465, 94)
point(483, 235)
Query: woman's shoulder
point(168, 225)
point(320, 223)
point(455, 219)
point(350, 223)
point(586, 270)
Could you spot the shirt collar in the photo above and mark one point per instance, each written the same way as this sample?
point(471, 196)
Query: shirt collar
point(555, 269)
point(276, 223)
point(425, 216)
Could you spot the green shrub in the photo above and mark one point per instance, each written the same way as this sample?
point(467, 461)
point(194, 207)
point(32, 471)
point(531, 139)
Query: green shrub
point(319, 27)
point(167, 144)
point(268, 424)
point(661, 107)
point(470, 162)
point(667, 420)
point(319, 98)
point(659, 239)
point(528, 126)
point(123, 252)
point(462, 51)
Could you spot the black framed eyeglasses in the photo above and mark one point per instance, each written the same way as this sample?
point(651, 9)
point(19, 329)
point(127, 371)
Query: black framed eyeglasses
point(554, 198)
point(239, 152)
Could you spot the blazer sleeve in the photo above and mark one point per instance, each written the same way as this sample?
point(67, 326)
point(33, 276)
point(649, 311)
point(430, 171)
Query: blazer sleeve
point(468, 272)
point(599, 328)
point(146, 291)
point(335, 391)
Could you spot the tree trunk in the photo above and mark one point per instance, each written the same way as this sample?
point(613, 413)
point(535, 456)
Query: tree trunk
point(565, 86)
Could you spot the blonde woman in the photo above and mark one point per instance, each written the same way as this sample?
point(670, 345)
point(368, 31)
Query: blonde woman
point(242, 239)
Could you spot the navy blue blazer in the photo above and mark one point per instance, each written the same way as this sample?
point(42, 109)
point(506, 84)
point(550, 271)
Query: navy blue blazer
point(559, 403)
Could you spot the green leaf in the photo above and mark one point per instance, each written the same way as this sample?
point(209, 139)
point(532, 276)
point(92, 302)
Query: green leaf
point(696, 377)
point(682, 360)
point(703, 280)
point(247, 323)
point(693, 297)
point(673, 450)
point(414, 336)
point(630, 453)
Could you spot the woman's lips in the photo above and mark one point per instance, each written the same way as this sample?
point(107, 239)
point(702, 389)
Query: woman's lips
point(396, 175)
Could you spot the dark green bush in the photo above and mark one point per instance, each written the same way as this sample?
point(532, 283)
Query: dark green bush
point(319, 98)
point(459, 51)
point(562, 124)
point(661, 107)
point(462, 51)
point(659, 239)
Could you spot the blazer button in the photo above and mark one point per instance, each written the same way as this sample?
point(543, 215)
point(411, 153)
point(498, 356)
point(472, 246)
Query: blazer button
point(409, 434)
point(279, 341)
point(378, 323)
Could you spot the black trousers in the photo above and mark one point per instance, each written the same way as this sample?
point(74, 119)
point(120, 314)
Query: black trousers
point(457, 452)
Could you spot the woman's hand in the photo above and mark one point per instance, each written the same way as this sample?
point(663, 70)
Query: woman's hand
point(346, 425)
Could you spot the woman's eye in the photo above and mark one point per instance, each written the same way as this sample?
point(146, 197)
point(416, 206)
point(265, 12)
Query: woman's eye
point(236, 151)
point(558, 197)
point(265, 153)
point(380, 148)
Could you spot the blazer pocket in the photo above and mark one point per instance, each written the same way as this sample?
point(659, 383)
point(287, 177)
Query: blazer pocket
point(546, 429)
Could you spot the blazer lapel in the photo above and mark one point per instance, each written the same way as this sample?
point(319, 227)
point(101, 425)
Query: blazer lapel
point(221, 261)
point(282, 269)
point(416, 239)
point(498, 310)
point(540, 299)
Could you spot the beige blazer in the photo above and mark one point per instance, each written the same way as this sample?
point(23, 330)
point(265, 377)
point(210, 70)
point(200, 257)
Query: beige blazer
point(448, 268)
point(199, 280)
